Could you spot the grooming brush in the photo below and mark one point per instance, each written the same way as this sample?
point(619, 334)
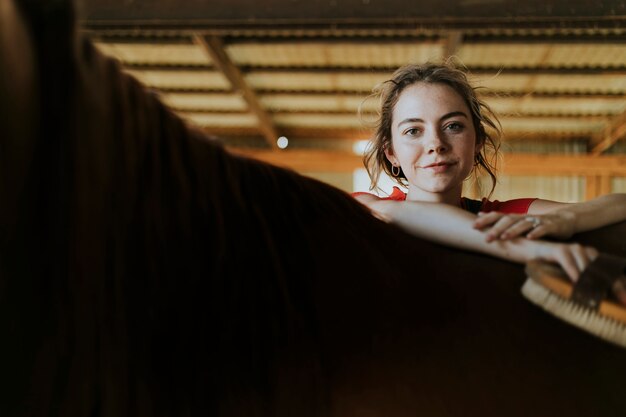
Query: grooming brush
point(583, 304)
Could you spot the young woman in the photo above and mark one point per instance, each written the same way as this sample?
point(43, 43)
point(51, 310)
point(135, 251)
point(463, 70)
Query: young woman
point(433, 132)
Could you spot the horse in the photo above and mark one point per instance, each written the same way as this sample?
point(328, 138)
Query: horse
point(147, 271)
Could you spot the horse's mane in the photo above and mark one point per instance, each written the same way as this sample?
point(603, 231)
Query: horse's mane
point(146, 271)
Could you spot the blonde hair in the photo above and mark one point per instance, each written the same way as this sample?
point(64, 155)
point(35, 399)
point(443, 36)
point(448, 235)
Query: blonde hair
point(388, 92)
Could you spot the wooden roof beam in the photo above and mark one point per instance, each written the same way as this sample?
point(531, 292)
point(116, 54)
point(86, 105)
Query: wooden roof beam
point(545, 70)
point(453, 42)
point(365, 91)
point(214, 47)
point(548, 26)
point(355, 133)
point(611, 135)
point(513, 163)
point(474, 70)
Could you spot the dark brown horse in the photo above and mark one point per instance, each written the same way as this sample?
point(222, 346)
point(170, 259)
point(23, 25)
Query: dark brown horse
point(145, 271)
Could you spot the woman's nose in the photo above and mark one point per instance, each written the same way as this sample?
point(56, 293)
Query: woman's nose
point(435, 144)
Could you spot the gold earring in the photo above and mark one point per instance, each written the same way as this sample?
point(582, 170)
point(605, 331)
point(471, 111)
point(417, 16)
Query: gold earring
point(395, 170)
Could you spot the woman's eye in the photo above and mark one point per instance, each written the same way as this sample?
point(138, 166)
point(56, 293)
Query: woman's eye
point(454, 126)
point(412, 131)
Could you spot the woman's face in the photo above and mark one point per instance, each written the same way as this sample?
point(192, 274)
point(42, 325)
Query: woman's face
point(433, 140)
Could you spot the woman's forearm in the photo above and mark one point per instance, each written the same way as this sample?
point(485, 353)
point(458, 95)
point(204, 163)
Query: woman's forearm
point(455, 227)
point(599, 212)
point(452, 226)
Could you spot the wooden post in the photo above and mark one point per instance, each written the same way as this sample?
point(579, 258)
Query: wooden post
point(597, 185)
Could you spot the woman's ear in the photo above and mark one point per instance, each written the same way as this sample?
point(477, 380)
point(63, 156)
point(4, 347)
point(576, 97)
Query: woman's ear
point(479, 147)
point(389, 154)
point(480, 141)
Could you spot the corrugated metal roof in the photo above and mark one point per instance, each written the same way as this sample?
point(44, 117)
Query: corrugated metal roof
point(502, 55)
point(597, 83)
point(320, 54)
point(220, 120)
point(162, 54)
point(581, 106)
point(551, 125)
point(317, 120)
point(326, 103)
point(182, 79)
point(588, 55)
point(571, 86)
point(203, 101)
point(552, 83)
point(314, 81)
point(543, 54)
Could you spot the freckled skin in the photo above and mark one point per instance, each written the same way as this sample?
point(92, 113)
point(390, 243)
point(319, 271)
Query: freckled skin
point(432, 123)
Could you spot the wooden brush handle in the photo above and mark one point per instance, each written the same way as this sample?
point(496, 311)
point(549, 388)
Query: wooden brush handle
point(554, 278)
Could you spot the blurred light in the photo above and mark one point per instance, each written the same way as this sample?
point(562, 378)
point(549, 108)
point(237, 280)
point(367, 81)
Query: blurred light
point(360, 146)
point(282, 142)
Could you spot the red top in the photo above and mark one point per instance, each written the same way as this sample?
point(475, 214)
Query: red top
point(517, 206)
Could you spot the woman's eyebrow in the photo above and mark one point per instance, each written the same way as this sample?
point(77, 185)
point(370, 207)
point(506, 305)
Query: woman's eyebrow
point(411, 120)
point(445, 116)
point(453, 114)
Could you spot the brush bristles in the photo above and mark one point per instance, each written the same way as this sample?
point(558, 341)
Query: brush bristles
point(589, 320)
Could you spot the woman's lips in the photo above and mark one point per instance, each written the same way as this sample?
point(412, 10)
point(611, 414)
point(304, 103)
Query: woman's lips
point(439, 167)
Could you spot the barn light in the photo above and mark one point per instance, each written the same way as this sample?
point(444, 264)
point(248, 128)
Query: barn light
point(282, 142)
point(360, 146)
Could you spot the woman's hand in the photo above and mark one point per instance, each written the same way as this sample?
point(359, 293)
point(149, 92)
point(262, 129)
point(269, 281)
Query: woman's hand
point(572, 257)
point(508, 226)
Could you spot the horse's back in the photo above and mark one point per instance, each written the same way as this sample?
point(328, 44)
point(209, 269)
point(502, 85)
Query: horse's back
point(146, 271)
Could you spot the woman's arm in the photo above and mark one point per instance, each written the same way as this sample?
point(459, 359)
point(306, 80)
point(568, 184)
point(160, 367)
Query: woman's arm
point(589, 215)
point(453, 226)
point(560, 220)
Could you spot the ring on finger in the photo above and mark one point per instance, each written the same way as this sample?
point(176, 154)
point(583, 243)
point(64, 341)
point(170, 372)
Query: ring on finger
point(534, 221)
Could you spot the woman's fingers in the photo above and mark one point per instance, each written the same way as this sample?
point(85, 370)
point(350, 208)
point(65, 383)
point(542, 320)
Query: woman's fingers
point(540, 230)
point(577, 258)
point(581, 257)
point(568, 263)
point(504, 226)
point(619, 289)
point(487, 219)
point(508, 226)
point(574, 258)
point(559, 225)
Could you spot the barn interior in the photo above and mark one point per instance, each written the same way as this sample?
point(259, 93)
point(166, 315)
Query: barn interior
point(283, 80)
point(144, 272)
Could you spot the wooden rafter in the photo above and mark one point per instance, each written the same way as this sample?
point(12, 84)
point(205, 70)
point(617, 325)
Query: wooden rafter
point(350, 112)
point(280, 32)
point(366, 91)
point(263, 115)
point(306, 160)
point(330, 133)
point(476, 70)
point(575, 165)
point(513, 164)
point(615, 131)
point(529, 87)
point(214, 47)
point(355, 133)
point(452, 44)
